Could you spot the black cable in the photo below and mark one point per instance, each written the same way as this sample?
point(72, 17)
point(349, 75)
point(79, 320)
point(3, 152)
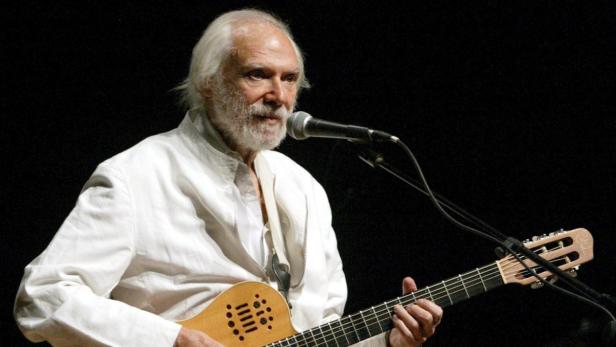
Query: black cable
point(376, 160)
point(506, 243)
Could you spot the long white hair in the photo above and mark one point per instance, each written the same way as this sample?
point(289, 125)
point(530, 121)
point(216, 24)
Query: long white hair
point(214, 48)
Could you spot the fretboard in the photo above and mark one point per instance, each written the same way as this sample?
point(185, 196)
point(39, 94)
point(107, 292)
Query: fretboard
point(377, 319)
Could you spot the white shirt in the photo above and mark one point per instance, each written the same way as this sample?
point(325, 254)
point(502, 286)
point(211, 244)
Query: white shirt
point(154, 238)
point(250, 227)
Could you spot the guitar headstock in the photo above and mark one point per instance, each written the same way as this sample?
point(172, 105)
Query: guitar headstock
point(565, 249)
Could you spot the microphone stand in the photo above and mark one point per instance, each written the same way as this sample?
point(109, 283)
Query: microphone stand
point(376, 160)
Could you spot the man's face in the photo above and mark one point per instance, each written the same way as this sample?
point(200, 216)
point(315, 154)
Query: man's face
point(252, 100)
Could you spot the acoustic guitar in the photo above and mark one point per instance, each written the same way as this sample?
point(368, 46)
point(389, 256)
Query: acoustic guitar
point(255, 314)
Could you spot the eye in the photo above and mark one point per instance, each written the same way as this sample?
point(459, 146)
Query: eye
point(292, 77)
point(256, 74)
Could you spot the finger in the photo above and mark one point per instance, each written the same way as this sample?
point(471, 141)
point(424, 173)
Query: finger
point(407, 335)
point(435, 310)
point(424, 319)
point(410, 324)
point(408, 285)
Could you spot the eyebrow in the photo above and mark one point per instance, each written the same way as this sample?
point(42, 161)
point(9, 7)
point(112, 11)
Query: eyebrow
point(253, 66)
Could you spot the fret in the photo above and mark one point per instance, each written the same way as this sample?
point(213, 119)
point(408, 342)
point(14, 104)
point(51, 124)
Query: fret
point(297, 341)
point(464, 286)
point(429, 293)
point(437, 296)
point(313, 339)
point(382, 319)
point(340, 325)
point(387, 319)
point(330, 333)
point(320, 335)
point(494, 281)
point(481, 279)
point(474, 285)
point(366, 331)
point(457, 294)
point(447, 292)
point(377, 319)
point(410, 296)
point(354, 328)
point(285, 342)
point(338, 333)
point(363, 320)
point(305, 341)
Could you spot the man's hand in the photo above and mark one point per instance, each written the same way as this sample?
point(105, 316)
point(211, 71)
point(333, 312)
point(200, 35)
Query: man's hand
point(194, 338)
point(415, 323)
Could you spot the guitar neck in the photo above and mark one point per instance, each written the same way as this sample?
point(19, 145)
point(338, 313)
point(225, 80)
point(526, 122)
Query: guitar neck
point(377, 319)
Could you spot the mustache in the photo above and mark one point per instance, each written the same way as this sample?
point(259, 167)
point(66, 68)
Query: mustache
point(261, 110)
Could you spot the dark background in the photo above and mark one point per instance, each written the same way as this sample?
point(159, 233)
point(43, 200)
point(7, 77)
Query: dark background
point(509, 106)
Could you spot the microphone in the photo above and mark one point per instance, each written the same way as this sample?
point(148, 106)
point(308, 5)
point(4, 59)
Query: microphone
point(301, 126)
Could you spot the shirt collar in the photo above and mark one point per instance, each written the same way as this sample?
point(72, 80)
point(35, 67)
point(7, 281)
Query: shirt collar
point(202, 123)
point(207, 143)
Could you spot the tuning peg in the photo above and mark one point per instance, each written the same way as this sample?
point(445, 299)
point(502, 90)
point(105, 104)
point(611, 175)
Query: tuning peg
point(573, 272)
point(536, 285)
point(500, 252)
point(542, 236)
point(559, 231)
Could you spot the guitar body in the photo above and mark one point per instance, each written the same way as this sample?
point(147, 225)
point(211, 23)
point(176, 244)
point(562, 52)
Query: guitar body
point(247, 314)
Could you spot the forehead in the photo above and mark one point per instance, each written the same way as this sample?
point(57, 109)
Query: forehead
point(262, 44)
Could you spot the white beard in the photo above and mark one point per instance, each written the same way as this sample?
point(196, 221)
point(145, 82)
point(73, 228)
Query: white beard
point(241, 125)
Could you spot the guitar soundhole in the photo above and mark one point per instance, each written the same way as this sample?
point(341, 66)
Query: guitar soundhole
point(246, 318)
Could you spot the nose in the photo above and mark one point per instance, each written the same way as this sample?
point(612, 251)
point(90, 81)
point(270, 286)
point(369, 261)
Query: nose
point(276, 95)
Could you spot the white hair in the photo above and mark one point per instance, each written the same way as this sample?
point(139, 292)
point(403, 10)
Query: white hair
point(214, 48)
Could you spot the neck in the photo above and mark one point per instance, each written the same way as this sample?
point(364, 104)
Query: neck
point(221, 140)
point(248, 155)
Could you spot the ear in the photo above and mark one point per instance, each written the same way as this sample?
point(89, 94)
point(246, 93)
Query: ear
point(205, 90)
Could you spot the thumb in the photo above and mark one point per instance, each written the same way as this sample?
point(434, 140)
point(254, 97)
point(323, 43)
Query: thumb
point(408, 285)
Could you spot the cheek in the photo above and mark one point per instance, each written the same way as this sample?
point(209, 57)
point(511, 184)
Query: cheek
point(251, 93)
point(292, 98)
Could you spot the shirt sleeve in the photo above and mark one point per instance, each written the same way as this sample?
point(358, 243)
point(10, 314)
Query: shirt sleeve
point(65, 294)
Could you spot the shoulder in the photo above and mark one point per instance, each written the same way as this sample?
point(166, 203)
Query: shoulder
point(281, 164)
point(149, 155)
point(288, 170)
point(153, 148)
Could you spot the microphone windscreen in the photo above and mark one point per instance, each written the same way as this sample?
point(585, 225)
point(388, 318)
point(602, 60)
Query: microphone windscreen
point(296, 125)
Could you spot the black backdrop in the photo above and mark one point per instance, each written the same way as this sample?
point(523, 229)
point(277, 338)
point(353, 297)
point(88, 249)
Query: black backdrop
point(509, 106)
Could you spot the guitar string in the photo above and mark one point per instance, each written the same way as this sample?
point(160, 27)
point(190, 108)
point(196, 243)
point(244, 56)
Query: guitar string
point(325, 337)
point(381, 314)
point(377, 316)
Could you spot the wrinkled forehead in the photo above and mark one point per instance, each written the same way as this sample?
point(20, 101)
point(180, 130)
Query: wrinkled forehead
point(258, 41)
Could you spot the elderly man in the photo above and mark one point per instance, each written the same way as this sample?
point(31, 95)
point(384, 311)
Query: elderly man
point(161, 229)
